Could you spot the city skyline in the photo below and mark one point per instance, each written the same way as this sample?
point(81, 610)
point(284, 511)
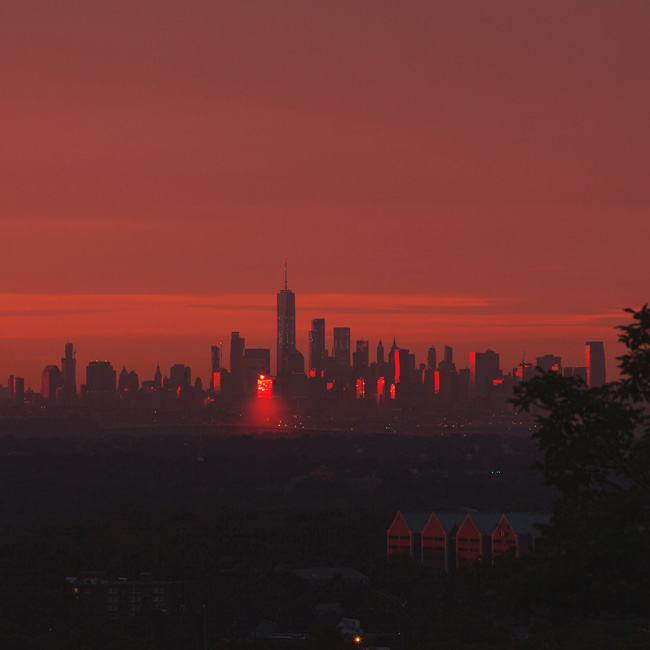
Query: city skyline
point(469, 174)
point(286, 314)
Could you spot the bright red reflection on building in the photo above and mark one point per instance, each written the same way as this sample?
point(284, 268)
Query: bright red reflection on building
point(361, 389)
point(264, 387)
point(216, 381)
point(381, 385)
point(392, 391)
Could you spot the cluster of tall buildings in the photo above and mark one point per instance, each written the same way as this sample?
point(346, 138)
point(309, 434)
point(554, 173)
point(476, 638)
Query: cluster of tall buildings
point(392, 375)
point(330, 375)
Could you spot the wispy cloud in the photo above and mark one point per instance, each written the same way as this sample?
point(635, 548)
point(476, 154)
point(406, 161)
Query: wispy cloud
point(46, 316)
point(48, 312)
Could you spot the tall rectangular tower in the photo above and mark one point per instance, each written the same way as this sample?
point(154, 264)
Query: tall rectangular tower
point(483, 369)
point(595, 363)
point(215, 358)
point(341, 347)
point(286, 326)
point(360, 359)
point(317, 352)
point(237, 347)
point(69, 373)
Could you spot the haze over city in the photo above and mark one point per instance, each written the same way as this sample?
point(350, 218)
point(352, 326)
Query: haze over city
point(468, 174)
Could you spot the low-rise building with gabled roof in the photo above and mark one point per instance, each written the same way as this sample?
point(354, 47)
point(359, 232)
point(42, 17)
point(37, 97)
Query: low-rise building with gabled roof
point(474, 538)
point(405, 533)
point(518, 533)
point(439, 539)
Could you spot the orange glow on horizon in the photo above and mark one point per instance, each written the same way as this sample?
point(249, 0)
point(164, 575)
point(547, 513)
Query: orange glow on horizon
point(133, 329)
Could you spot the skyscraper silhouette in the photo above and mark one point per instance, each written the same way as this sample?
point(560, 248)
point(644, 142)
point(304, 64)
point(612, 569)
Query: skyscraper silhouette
point(215, 364)
point(360, 359)
point(549, 362)
point(237, 346)
point(483, 368)
point(595, 363)
point(69, 373)
point(431, 358)
point(180, 378)
point(341, 347)
point(286, 311)
point(100, 377)
point(448, 359)
point(257, 361)
point(317, 352)
point(215, 358)
point(51, 381)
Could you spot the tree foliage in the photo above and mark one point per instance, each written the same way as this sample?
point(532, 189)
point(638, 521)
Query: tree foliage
point(595, 451)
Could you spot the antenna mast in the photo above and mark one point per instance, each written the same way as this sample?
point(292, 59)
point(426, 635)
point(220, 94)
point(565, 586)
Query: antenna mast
point(285, 273)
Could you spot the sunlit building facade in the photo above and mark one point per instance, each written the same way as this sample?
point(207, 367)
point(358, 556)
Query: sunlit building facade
point(484, 369)
point(595, 363)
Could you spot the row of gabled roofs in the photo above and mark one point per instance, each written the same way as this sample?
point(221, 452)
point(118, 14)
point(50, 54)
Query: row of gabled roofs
point(523, 523)
point(450, 539)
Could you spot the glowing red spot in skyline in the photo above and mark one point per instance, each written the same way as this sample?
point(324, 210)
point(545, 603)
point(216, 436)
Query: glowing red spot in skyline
point(381, 386)
point(397, 368)
point(264, 387)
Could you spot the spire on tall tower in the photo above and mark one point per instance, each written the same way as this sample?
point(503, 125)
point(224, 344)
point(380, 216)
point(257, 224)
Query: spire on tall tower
point(380, 353)
point(285, 273)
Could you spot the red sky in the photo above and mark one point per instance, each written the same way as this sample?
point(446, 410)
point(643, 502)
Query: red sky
point(465, 173)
